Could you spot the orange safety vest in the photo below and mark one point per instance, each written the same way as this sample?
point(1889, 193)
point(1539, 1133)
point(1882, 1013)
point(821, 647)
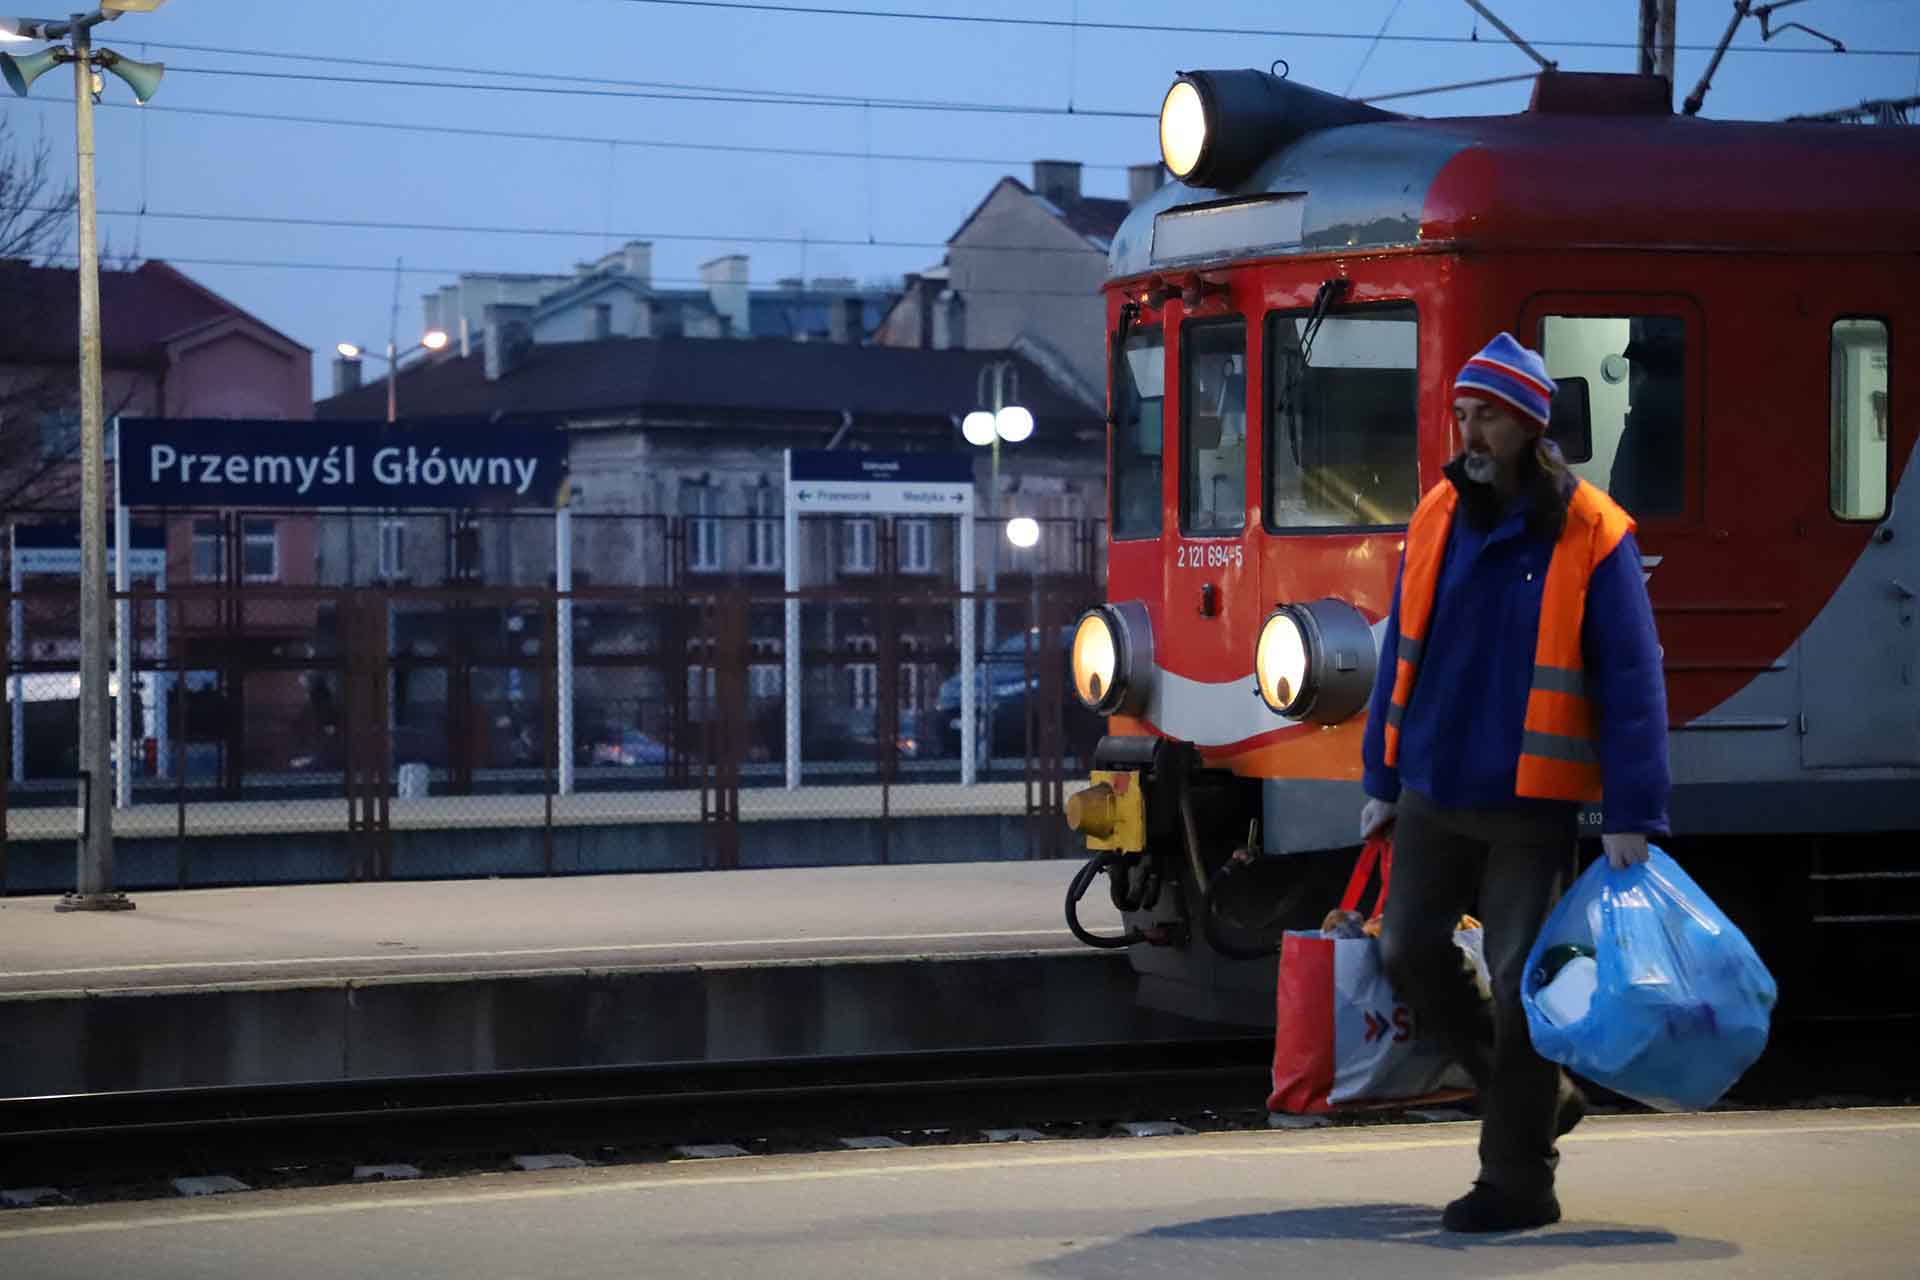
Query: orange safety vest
point(1558, 760)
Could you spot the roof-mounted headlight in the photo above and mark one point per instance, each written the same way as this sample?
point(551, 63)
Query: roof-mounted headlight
point(1315, 661)
point(1216, 127)
point(1113, 659)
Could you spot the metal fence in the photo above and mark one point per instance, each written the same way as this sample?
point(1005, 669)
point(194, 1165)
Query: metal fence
point(346, 718)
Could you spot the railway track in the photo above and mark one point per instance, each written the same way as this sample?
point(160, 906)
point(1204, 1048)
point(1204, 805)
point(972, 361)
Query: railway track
point(95, 1147)
point(116, 1146)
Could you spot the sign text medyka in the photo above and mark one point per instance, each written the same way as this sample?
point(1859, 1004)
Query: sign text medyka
point(235, 463)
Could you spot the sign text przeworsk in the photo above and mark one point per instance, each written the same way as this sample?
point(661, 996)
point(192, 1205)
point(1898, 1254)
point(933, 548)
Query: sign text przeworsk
point(232, 463)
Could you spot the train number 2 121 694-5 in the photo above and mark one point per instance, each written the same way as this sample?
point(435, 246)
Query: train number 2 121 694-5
point(1208, 555)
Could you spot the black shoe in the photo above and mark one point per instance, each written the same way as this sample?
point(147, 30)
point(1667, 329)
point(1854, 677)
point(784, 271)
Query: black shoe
point(1572, 1108)
point(1486, 1208)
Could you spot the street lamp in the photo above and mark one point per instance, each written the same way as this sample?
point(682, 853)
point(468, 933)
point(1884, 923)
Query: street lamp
point(431, 340)
point(998, 385)
point(93, 890)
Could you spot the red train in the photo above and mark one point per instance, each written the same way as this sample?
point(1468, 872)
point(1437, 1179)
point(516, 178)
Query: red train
point(1732, 313)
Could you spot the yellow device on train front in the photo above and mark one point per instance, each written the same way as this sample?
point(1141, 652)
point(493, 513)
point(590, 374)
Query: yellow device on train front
point(1111, 813)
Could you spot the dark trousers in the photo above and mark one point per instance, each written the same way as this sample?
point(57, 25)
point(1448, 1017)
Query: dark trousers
point(1508, 869)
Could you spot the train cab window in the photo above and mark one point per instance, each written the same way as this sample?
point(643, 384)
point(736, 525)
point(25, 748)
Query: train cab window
point(1857, 420)
point(1213, 407)
point(1635, 370)
point(1139, 394)
point(1342, 436)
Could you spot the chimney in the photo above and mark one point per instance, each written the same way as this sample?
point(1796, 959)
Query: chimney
point(949, 322)
point(508, 335)
point(346, 375)
point(1143, 180)
point(639, 256)
point(1057, 181)
point(726, 284)
point(846, 321)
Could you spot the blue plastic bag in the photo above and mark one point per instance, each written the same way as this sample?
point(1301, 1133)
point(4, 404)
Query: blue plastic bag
point(1682, 1002)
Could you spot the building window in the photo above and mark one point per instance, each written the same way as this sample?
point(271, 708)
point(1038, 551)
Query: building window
point(209, 550)
point(766, 534)
point(393, 549)
point(260, 550)
point(765, 681)
point(702, 691)
point(700, 503)
point(856, 546)
point(865, 685)
point(60, 434)
point(602, 321)
point(1857, 430)
point(915, 543)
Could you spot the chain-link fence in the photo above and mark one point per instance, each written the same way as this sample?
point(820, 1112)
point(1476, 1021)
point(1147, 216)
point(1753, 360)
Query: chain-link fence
point(369, 731)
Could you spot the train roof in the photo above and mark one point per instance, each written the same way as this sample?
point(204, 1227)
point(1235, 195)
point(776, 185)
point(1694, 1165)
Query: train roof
point(1563, 173)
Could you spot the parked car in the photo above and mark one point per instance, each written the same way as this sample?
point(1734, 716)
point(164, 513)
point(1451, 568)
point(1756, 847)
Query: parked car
point(628, 747)
point(1002, 674)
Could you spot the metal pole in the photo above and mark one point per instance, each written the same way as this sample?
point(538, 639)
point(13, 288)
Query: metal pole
point(164, 680)
point(791, 649)
point(16, 653)
point(393, 403)
point(969, 694)
point(563, 646)
point(93, 890)
point(122, 654)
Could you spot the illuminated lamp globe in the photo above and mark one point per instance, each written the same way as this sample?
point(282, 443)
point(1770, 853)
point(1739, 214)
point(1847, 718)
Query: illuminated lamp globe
point(347, 350)
point(1023, 531)
point(977, 427)
point(1183, 129)
point(1013, 423)
point(434, 339)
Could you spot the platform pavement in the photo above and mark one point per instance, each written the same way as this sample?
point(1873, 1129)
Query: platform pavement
point(324, 982)
point(1764, 1194)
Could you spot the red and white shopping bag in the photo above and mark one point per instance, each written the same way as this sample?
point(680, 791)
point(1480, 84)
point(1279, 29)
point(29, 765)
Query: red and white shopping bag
point(1341, 1038)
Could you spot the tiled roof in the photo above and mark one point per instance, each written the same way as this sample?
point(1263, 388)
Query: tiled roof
point(140, 311)
point(717, 377)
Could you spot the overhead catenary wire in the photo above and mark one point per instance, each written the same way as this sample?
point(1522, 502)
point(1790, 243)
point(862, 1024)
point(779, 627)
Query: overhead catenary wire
point(1153, 28)
point(388, 268)
point(450, 228)
point(525, 135)
point(737, 97)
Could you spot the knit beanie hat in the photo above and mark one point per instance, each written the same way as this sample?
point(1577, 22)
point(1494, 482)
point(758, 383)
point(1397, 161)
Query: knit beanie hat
point(1507, 373)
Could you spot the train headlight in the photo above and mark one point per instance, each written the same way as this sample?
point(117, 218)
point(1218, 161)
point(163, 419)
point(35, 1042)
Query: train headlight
point(1315, 661)
point(1217, 127)
point(1112, 659)
point(1183, 128)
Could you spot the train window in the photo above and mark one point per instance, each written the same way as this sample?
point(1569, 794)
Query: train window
point(1857, 431)
point(1139, 393)
point(1342, 439)
point(1636, 376)
point(1213, 406)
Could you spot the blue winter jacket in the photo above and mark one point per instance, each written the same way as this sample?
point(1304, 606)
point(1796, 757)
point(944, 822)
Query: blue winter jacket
point(1460, 734)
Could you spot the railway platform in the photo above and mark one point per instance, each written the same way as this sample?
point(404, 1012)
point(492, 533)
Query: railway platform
point(1802, 1193)
point(273, 985)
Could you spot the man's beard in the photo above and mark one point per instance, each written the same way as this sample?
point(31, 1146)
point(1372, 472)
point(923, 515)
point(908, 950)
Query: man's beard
point(1480, 467)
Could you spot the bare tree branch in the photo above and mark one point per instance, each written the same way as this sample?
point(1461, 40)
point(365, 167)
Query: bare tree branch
point(35, 215)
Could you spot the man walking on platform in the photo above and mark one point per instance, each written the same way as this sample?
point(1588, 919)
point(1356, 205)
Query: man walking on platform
point(1519, 678)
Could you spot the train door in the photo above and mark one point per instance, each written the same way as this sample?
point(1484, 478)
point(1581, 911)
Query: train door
point(1211, 595)
point(1860, 685)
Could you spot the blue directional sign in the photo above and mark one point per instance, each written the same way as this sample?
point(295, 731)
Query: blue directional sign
point(179, 462)
point(824, 481)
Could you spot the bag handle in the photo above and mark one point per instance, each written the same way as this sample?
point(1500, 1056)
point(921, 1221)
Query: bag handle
point(1378, 851)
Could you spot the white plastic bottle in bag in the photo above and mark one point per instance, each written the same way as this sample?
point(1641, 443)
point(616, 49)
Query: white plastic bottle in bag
point(1565, 1000)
